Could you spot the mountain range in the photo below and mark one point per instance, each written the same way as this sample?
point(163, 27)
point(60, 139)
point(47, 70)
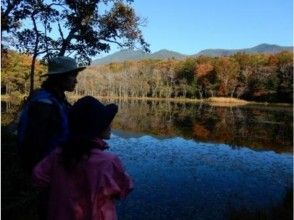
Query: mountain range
point(127, 55)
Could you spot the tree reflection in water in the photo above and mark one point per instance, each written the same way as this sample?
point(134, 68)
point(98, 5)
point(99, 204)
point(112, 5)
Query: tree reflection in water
point(258, 127)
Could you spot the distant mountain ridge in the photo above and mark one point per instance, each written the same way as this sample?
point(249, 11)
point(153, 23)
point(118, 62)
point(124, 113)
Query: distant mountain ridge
point(261, 48)
point(128, 55)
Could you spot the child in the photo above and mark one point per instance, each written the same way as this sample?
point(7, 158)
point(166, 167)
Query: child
point(84, 179)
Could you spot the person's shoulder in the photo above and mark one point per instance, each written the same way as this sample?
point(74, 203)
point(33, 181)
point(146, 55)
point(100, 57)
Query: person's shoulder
point(42, 96)
point(103, 155)
point(43, 107)
point(56, 153)
point(51, 158)
point(113, 159)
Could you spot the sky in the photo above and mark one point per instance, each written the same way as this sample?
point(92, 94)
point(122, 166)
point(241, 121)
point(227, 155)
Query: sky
point(189, 26)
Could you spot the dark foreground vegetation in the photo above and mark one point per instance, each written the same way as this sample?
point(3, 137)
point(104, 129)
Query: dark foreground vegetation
point(19, 199)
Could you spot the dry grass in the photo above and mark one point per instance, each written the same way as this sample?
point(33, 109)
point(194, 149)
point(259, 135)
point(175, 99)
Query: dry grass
point(211, 100)
point(224, 101)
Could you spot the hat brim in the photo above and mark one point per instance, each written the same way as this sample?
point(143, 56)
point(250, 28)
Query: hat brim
point(78, 69)
point(88, 117)
point(112, 109)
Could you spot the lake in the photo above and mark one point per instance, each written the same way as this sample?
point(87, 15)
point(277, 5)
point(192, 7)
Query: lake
point(196, 161)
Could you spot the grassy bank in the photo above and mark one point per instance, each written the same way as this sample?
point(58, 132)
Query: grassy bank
point(214, 101)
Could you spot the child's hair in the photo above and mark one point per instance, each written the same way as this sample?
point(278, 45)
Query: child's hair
point(87, 119)
point(73, 151)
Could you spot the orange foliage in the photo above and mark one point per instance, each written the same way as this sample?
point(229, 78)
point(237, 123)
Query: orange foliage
point(272, 60)
point(202, 70)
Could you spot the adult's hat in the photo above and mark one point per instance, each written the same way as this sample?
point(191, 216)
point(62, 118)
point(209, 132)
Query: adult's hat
point(88, 117)
point(62, 65)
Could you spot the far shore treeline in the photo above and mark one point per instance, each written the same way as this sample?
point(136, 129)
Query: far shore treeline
point(254, 77)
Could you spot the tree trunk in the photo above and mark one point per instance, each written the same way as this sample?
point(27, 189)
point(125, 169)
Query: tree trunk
point(233, 91)
point(32, 74)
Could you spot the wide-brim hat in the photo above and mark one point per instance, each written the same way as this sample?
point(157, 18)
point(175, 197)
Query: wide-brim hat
point(62, 65)
point(88, 117)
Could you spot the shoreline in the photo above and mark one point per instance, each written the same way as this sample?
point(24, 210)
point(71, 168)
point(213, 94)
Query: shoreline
point(214, 101)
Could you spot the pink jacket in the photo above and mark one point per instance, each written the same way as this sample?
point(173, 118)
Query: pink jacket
point(88, 192)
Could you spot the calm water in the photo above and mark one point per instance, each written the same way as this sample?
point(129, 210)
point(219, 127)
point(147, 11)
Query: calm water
point(256, 127)
point(182, 179)
point(193, 161)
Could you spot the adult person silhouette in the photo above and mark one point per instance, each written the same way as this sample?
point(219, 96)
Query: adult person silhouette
point(43, 123)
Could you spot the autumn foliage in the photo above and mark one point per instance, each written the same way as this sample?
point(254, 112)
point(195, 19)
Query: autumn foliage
point(15, 73)
point(256, 77)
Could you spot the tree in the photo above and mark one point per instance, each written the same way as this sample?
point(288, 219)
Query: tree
point(206, 79)
point(285, 75)
point(185, 77)
point(285, 88)
point(263, 84)
point(185, 70)
point(243, 59)
point(12, 12)
point(77, 27)
point(227, 71)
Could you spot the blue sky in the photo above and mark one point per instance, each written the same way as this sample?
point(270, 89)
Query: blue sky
point(188, 26)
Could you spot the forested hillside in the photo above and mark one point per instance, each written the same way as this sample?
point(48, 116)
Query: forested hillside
point(132, 55)
point(258, 77)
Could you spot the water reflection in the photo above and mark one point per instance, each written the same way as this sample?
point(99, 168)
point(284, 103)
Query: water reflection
point(251, 126)
point(177, 178)
point(263, 128)
point(183, 179)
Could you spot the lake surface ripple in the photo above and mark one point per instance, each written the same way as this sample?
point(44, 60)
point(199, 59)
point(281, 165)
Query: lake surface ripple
point(177, 178)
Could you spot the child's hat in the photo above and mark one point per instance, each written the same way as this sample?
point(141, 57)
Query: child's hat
point(88, 117)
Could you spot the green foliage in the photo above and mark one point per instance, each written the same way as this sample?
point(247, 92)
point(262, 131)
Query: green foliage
point(185, 70)
point(83, 27)
point(11, 14)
